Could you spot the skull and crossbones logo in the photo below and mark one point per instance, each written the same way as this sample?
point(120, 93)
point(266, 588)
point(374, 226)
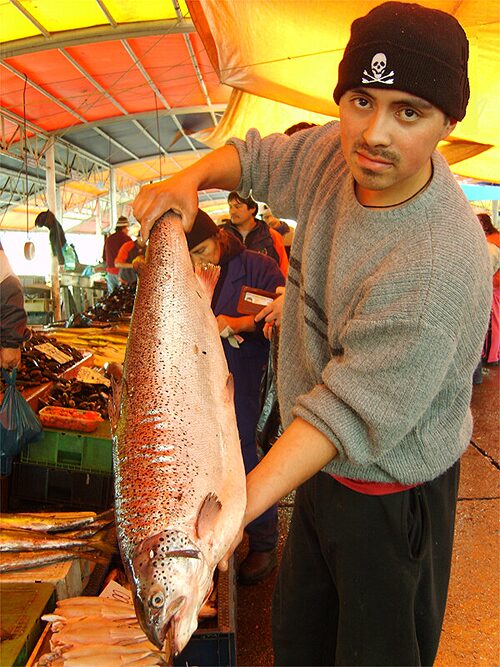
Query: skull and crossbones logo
point(378, 67)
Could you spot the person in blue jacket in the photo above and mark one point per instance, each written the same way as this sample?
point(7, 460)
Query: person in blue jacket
point(246, 351)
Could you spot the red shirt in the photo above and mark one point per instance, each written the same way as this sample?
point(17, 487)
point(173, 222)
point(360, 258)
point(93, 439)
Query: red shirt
point(495, 239)
point(111, 247)
point(373, 488)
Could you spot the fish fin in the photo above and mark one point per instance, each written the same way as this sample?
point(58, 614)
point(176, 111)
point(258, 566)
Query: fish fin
point(207, 275)
point(229, 397)
point(115, 399)
point(103, 543)
point(207, 516)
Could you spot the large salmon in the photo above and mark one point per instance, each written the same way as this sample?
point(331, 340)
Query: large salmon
point(179, 475)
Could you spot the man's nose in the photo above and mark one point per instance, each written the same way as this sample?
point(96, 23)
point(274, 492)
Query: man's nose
point(377, 130)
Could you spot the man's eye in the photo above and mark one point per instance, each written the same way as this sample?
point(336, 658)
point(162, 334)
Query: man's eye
point(409, 114)
point(361, 102)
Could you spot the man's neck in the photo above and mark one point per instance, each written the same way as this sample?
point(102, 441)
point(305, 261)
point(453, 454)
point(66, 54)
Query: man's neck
point(247, 226)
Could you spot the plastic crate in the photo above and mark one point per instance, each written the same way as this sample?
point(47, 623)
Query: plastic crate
point(73, 451)
point(214, 643)
point(52, 487)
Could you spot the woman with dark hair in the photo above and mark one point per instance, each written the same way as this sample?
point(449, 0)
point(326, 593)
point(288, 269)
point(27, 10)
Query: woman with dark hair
point(57, 237)
point(246, 352)
point(491, 352)
point(64, 251)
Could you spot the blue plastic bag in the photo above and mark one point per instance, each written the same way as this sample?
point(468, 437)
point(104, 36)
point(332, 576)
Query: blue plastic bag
point(18, 423)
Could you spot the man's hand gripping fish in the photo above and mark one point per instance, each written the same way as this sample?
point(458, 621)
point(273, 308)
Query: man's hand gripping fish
point(179, 475)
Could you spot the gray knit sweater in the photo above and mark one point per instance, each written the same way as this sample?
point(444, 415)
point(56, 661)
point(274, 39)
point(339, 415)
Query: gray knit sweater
point(385, 311)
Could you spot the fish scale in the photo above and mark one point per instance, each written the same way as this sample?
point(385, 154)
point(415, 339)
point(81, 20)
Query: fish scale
point(179, 474)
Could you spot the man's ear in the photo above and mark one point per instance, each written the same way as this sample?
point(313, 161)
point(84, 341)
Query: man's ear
point(449, 125)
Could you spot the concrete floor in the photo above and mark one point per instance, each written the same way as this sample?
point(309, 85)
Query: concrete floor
point(471, 631)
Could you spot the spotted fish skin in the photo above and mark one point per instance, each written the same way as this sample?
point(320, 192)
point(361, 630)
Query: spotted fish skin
point(179, 474)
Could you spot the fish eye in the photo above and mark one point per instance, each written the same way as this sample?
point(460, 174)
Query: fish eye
point(157, 600)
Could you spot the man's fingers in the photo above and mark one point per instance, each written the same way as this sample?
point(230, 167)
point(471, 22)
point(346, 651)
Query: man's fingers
point(268, 330)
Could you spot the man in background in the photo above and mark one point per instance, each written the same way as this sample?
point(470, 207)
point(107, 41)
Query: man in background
point(279, 226)
point(254, 233)
point(112, 245)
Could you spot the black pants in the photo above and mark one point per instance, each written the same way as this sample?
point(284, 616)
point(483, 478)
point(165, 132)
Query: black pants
point(364, 579)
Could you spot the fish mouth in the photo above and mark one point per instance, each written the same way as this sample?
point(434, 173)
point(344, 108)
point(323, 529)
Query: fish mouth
point(169, 646)
point(163, 636)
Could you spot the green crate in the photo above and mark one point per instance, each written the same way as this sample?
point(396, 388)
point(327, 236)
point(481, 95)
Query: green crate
point(88, 452)
point(21, 606)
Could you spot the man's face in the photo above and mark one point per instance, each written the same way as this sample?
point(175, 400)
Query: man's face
point(387, 138)
point(241, 215)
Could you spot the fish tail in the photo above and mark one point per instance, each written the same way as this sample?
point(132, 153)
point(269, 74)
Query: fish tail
point(103, 543)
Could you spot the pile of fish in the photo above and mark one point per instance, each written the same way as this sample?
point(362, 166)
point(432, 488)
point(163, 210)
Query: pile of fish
point(179, 475)
point(106, 344)
point(97, 631)
point(33, 540)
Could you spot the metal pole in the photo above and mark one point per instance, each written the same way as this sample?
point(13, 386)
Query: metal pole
point(50, 175)
point(113, 210)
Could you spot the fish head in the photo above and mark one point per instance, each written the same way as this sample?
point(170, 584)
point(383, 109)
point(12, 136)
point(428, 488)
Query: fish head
point(171, 580)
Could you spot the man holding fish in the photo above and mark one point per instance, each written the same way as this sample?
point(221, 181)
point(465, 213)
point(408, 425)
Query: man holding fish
point(383, 321)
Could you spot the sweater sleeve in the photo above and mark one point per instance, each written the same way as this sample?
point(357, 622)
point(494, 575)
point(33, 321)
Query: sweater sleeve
point(13, 316)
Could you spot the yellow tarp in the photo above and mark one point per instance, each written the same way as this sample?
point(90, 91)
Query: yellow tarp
point(288, 51)
point(61, 15)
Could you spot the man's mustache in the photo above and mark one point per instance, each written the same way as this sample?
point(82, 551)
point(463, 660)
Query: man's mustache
point(389, 156)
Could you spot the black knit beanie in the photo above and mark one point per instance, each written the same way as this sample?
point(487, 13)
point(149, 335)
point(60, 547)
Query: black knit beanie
point(404, 46)
point(203, 228)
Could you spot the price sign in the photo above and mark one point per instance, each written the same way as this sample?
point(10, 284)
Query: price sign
point(89, 376)
point(53, 353)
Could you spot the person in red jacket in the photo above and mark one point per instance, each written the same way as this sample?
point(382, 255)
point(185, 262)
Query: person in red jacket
point(491, 353)
point(127, 261)
point(112, 245)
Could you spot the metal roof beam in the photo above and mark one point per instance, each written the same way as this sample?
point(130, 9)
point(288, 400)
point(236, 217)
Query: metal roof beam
point(31, 18)
point(107, 13)
point(103, 33)
point(91, 79)
point(14, 118)
point(44, 92)
point(181, 111)
point(115, 143)
point(157, 92)
point(149, 136)
point(195, 64)
point(201, 151)
point(32, 179)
